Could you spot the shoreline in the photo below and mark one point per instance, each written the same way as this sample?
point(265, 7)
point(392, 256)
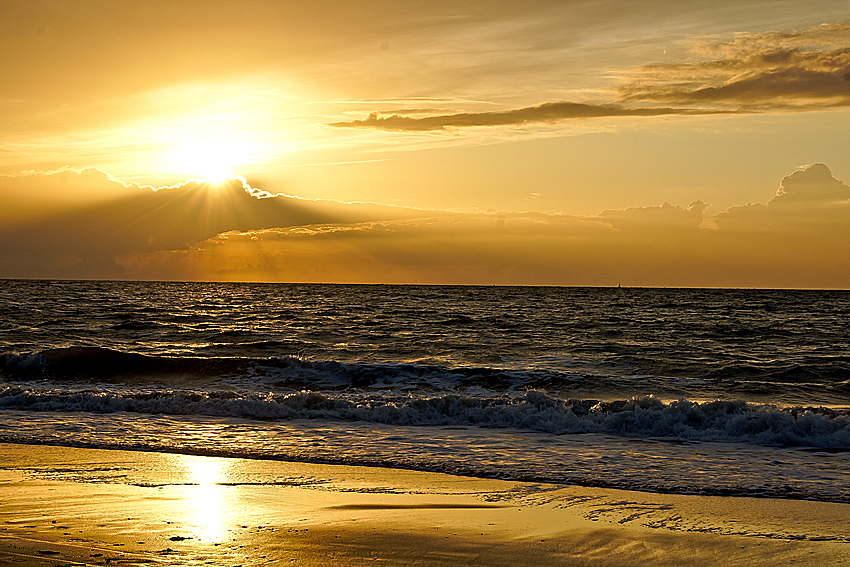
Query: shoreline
point(224, 454)
point(64, 505)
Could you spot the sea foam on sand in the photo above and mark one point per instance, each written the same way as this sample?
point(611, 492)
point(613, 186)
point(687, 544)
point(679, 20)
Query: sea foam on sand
point(87, 506)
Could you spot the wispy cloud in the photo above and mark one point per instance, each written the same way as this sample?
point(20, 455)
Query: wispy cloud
point(750, 73)
point(757, 72)
point(546, 112)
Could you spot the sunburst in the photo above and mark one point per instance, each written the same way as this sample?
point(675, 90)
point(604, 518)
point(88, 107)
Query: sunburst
point(212, 159)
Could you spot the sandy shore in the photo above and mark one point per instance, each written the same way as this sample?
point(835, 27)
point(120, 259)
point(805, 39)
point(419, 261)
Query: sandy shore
point(68, 506)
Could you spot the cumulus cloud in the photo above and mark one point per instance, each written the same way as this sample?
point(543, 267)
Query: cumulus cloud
point(810, 205)
point(811, 184)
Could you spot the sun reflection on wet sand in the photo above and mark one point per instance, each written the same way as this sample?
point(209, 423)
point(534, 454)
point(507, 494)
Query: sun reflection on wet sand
point(206, 497)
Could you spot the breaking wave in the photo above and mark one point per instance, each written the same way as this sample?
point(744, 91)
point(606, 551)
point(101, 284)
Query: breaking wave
point(717, 421)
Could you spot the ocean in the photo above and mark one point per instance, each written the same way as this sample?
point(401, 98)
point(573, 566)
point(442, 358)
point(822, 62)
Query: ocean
point(691, 391)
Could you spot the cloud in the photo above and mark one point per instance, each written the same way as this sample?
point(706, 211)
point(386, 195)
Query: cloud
point(800, 238)
point(665, 217)
point(778, 244)
point(751, 73)
point(546, 112)
point(70, 223)
point(810, 205)
point(36, 194)
point(754, 72)
point(811, 184)
point(506, 248)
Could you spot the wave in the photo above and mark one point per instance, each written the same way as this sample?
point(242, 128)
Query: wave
point(102, 364)
point(640, 417)
point(101, 380)
point(824, 380)
point(96, 364)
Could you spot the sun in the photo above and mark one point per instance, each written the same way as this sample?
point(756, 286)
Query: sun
point(212, 159)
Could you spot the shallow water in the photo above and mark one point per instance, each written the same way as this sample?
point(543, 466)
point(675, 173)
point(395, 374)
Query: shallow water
point(708, 391)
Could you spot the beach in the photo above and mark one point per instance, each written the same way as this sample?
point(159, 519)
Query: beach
point(75, 506)
point(167, 423)
point(447, 283)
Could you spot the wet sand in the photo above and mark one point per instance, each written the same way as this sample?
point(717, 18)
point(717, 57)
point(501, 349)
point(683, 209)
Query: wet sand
point(69, 506)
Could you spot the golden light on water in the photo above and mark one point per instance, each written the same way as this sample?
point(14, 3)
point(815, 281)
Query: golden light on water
point(206, 496)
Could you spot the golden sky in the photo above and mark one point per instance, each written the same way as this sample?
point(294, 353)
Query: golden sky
point(565, 142)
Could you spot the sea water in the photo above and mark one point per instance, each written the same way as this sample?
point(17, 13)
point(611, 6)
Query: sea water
point(735, 392)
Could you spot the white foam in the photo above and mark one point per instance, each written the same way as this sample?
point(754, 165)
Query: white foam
point(637, 417)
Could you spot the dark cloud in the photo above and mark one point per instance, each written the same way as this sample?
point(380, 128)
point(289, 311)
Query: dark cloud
point(547, 112)
point(68, 237)
point(37, 194)
point(751, 73)
point(512, 248)
point(773, 88)
point(800, 238)
point(756, 72)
